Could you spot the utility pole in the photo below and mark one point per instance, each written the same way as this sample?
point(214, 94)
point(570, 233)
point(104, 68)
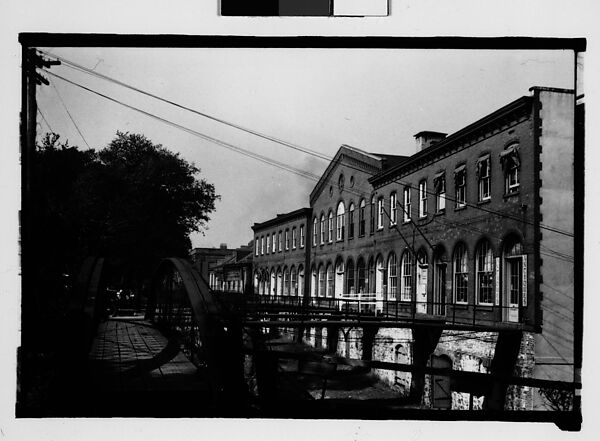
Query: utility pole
point(30, 78)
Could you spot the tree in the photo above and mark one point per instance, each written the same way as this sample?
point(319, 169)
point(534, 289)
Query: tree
point(140, 203)
point(132, 202)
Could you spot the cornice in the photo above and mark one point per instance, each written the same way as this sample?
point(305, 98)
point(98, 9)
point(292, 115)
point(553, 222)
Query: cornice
point(505, 117)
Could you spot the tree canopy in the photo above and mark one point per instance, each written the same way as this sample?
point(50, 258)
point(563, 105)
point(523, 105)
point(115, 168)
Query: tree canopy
point(133, 202)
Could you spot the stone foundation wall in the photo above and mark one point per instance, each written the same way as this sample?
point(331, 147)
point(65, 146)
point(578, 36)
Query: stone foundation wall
point(466, 350)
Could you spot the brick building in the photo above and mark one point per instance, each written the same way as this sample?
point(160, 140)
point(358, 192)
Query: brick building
point(474, 234)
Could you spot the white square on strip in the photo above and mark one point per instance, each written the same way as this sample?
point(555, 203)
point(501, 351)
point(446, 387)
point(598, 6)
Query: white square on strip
point(360, 7)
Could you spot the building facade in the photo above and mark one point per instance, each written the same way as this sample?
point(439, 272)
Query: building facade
point(473, 233)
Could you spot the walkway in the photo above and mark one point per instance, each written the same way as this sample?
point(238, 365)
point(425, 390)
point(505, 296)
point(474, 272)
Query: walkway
point(137, 371)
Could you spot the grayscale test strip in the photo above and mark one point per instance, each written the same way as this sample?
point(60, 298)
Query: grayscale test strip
point(305, 8)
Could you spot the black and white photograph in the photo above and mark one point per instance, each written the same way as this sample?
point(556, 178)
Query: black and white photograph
point(294, 229)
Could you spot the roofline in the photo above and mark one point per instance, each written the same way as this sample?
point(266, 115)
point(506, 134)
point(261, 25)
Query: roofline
point(284, 217)
point(455, 137)
point(325, 175)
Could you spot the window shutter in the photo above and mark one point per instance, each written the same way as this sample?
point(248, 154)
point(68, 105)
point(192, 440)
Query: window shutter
point(497, 281)
point(524, 278)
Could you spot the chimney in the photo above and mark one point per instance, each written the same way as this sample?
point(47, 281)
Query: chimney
point(426, 139)
point(223, 246)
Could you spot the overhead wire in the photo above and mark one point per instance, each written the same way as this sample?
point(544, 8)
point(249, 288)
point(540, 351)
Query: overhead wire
point(45, 120)
point(285, 143)
point(81, 68)
point(69, 113)
point(227, 145)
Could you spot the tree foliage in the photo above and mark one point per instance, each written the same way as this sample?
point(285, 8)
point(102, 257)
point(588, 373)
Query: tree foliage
point(133, 202)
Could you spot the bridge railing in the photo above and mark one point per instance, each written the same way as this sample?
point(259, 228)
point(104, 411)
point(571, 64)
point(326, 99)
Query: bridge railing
point(371, 306)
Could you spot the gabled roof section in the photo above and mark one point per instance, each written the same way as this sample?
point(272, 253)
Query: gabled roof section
point(369, 162)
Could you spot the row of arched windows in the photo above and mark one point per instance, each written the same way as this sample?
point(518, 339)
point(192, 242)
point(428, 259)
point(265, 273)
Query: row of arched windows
point(406, 277)
point(286, 281)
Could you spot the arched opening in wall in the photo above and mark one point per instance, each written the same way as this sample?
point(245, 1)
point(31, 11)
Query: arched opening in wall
point(514, 295)
point(440, 263)
point(339, 278)
point(399, 355)
point(422, 269)
point(347, 343)
point(313, 281)
point(441, 392)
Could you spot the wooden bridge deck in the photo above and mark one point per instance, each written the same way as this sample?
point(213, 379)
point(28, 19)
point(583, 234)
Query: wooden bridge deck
point(135, 370)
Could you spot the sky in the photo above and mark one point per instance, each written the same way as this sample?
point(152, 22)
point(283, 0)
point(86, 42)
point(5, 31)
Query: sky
point(319, 99)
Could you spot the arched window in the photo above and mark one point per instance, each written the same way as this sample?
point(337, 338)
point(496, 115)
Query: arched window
point(279, 282)
point(406, 288)
point(406, 208)
point(373, 215)
point(294, 238)
point(287, 239)
point(392, 277)
point(279, 241)
point(380, 210)
point(421, 285)
point(314, 282)
point(361, 218)
point(485, 273)
point(322, 228)
point(515, 279)
point(268, 244)
point(329, 292)
point(381, 278)
point(351, 221)
point(340, 221)
point(350, 288)
point(321, 280)
point(286, 281)
point(294, 281)
point(273, 291)
point(362, 276)
point(461, 275)
point(273, 243)
point(339, 278)
point(330, 226)
point(300, 285)
point(315, 231)
point(257, 282)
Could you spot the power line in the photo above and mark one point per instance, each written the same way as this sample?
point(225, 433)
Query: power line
point(44, 118)
point(79, 67)
point(74, 65)
point(240, 150)
point(68, 113)
point(261, 158)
